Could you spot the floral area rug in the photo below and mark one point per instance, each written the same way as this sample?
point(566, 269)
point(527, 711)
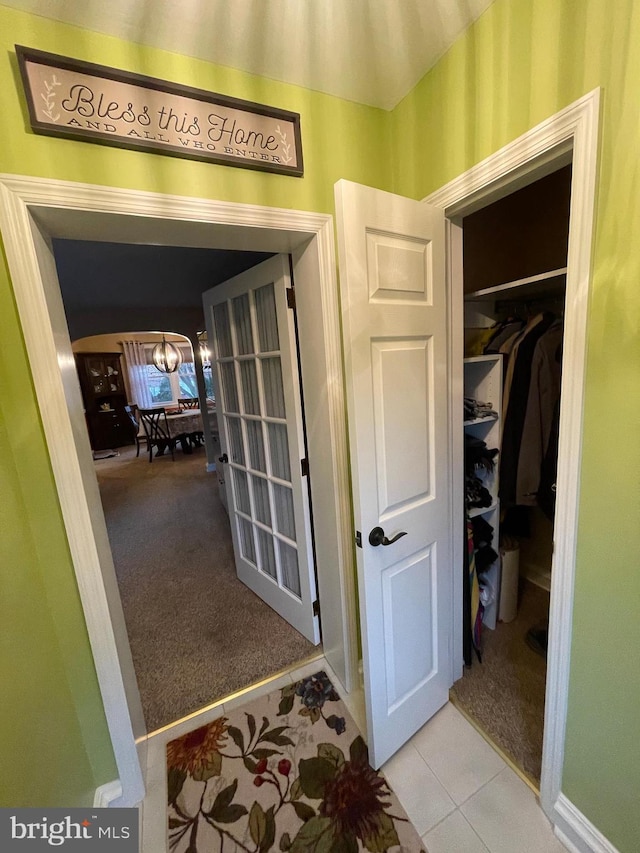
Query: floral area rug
point(287, 772)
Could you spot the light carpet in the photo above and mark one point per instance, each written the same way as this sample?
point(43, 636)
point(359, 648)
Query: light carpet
point(505, 693)
point(196, 632)
point(289, 772)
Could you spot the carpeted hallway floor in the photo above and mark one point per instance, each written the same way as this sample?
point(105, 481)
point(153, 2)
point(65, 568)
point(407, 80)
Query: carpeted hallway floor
point(505, 693)
point(196, 632)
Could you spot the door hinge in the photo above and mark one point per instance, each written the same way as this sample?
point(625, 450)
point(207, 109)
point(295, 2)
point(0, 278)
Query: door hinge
point(358, 539)
point(291, 298)
point(304, 467)
point(316, 608)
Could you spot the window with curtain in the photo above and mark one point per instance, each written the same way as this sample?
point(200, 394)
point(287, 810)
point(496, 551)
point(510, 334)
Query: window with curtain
point(150, 386)
point(166, 388)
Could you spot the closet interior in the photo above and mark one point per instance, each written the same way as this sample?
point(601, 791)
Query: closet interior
point(515, 257)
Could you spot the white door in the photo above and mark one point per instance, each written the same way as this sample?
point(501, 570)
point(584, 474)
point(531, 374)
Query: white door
point(392, 283)
point(253, 355)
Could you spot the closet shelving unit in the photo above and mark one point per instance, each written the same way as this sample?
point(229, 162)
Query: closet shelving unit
point(483, 381)
point(515, 254)
point(483, 308)
point(535, 287)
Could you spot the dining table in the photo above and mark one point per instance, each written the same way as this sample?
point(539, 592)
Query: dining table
point(186, 427)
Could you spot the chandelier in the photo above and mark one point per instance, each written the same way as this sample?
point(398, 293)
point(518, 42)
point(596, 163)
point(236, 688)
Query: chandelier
point(166, 357)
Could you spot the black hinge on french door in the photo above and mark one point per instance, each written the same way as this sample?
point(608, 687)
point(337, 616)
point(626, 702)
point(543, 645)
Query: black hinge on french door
point(304, 467)
point(291, 298)
point(316, 608)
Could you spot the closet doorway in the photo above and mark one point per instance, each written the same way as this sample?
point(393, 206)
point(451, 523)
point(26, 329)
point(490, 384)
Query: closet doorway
point(514, 281)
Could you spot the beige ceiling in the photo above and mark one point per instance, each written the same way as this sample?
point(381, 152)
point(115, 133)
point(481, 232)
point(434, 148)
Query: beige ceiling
point(369, 51)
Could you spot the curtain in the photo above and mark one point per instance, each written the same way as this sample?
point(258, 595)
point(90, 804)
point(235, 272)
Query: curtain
point(136, 360)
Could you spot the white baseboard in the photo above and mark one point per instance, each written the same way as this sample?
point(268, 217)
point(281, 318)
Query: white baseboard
point(576, 832)
point(107, 794)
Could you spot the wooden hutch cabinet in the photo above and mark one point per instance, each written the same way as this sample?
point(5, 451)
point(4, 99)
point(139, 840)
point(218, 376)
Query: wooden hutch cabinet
point(104, 398)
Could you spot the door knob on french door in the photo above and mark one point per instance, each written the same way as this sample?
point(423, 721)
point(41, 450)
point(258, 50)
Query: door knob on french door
point(377, 537)
point(223, 458)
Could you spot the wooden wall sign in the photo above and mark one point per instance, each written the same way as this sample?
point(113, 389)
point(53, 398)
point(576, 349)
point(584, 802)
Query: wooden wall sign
point(80, 100)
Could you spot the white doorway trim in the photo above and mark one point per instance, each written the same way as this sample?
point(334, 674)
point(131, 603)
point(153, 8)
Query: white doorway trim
point(571, 134)
point(32, 212)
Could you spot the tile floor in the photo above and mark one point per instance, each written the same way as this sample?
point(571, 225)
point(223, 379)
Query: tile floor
point(459, 793)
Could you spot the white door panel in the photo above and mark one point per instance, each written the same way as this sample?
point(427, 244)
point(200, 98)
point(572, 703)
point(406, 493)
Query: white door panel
point(259, 410)
point(392, 281)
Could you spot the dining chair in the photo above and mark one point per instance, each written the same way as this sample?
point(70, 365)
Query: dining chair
point(188, 403)
point(156, 429)
point(139, 434)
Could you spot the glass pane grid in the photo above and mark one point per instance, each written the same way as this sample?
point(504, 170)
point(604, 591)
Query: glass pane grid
point(261, 499)
point(263, 475)
point(267, 321)
point(250, 387)
point(258, 438)
point(268, 564)
point(222, 328)
point(235, 441)
point(277, 481)
point(247, 543)
point(242, 324)
point(284, 510)
point(290, 568)
point(257, 457)
point(281, 537)
point(229, 388)
point(278, 446)
point(242, 501)
point(272, 387)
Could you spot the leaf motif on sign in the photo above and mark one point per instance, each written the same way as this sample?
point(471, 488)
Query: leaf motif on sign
point(49, 98)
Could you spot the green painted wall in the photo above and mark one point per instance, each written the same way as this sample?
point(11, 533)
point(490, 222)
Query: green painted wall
point(521, 62)
point(54, 744)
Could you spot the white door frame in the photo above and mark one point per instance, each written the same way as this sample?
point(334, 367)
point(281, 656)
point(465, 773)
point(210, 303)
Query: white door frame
point(571, 134)
point(34, 210)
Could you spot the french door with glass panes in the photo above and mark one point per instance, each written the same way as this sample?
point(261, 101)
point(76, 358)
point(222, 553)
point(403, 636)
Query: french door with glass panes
point(258, 401)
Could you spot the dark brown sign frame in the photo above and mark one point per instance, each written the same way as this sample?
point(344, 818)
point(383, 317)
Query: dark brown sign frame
point(268, 140)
